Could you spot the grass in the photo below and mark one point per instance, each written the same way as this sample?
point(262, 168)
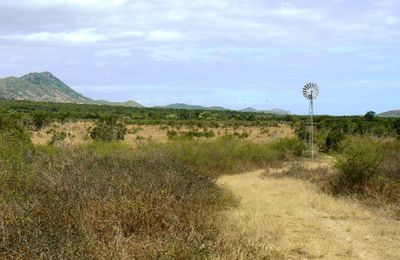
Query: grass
point(87, 203)
point(110, 200)
point(290, 218)
point(228, 155)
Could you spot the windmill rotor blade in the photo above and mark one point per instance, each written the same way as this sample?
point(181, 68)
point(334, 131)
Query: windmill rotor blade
point(311, 91)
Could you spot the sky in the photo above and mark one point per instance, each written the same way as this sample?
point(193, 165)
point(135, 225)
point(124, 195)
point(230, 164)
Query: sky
point(231, 53)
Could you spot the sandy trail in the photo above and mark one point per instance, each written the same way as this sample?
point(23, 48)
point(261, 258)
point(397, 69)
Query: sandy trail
point(290, 219)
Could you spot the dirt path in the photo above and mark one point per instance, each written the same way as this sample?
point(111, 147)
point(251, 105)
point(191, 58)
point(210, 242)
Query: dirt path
point(284, 218)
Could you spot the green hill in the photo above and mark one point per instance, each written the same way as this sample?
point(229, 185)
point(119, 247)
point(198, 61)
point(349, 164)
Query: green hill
point(129, 103)
point(217, 108)
point(392, 113)
point(193, 107)
point(46, 87)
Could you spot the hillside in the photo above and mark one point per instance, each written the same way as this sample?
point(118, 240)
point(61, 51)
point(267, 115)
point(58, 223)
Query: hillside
point(275, 111)
point(392, 113)
point(47, 88)
point(218, 108)
point(129, 103)
point(193, 107)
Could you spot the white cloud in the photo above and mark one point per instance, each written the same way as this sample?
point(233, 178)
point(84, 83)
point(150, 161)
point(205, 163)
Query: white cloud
point(164, 36)
point(82, 3)
point(296, 13)
point(81, 36)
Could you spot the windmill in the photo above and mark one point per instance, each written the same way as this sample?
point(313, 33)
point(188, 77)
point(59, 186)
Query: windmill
point(311, 92)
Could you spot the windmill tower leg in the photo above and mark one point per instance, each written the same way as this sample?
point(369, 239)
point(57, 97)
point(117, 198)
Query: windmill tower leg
point(311, 128)
point(311, 92)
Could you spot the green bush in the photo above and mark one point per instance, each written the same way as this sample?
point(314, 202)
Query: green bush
point(109, 129)
point(16, 151)
point(360, 165)
point(333, 140)
point(289, 148)
point(227, 154)
point(57, 137)
point(40, 120)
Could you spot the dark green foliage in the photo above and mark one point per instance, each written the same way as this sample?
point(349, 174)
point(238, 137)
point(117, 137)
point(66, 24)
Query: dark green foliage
point(333, 140)
point(243, 135)
point(40, 119)
point(370, 115)
point(57, 138)
point(172, 134)
point(108, 129)
point(191, 134)
point(301, 132)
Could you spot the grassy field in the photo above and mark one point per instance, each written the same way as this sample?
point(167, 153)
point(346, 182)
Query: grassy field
point(282, 217)
point(79, 132)
point(175, 191)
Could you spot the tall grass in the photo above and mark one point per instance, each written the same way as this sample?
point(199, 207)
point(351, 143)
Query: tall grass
point(110, 201)
point(227, 155)
point(84, 204)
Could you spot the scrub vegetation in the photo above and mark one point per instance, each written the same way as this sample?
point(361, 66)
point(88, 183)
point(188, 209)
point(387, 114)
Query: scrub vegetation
point(122, 193)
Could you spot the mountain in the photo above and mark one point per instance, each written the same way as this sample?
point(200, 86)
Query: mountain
point(392, 113)
point(46, 87)
point(129, 103)
point(275, 111)
point(40, 87)
point(249, 109)
point(193, 107)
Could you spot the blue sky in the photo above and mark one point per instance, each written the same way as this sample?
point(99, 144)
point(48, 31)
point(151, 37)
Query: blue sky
point(231, 53)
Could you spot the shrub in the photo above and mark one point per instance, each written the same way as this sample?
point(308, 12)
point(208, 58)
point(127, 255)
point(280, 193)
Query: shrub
point(108, 129)
point(242, 135)
point(16, 151)
point(289, 148)
point(333, 140)
point(172, 134)
point(360, 165)
point(108, 201)
point(57, 138)
point(40, 120)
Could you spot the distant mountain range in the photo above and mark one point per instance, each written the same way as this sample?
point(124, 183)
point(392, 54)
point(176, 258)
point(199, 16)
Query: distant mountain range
point(392, 113)
point(47, 88)
point(218, 108)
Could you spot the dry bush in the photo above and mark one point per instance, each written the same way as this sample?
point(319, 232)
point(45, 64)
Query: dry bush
point(98, 203)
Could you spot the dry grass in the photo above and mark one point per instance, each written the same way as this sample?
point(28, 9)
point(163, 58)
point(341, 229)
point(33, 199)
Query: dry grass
point(287, 218)
point(79, 133)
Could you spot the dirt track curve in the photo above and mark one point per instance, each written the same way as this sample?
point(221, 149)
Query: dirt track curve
point(291, 219)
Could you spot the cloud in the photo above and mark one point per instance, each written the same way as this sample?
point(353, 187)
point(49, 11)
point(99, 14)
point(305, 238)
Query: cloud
point(222, 44)
point(165, 36)
point(81, 36)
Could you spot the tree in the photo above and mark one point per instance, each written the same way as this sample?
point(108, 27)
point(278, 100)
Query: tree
point(109, 129)
point(40, 120)
point(333, 140)
point(369, 116)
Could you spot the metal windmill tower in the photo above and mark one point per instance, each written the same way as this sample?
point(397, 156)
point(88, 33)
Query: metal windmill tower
point(311, 92)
